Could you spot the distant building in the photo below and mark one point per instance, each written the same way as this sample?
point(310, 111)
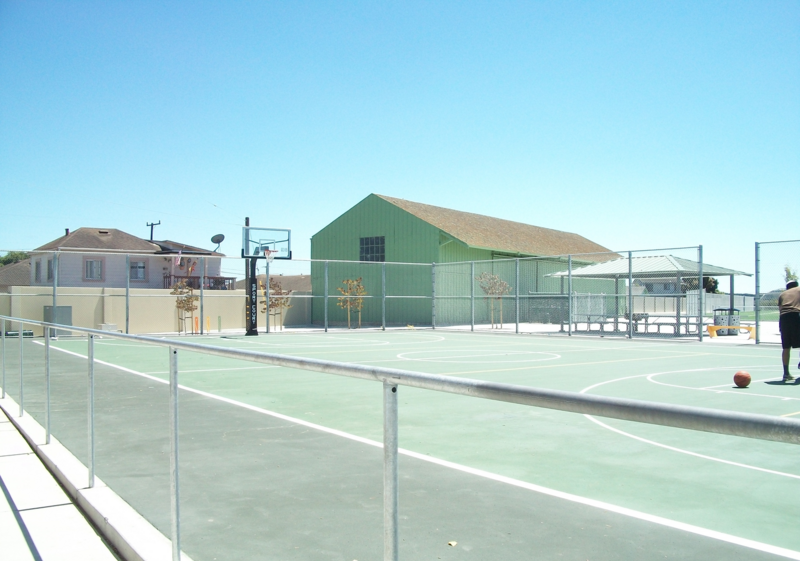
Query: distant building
point(382, 229)
point(15, 274)
point(107, 258)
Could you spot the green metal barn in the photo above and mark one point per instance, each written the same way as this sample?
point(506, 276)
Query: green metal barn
point(396, 241)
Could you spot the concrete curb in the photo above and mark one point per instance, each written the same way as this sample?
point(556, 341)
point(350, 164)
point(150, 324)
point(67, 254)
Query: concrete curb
point(130, 534)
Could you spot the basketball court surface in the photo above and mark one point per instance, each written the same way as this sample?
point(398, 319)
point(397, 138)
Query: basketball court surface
point(284, 464)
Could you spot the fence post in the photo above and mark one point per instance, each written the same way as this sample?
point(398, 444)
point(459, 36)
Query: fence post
point(757, 300)
point(21, 385)
point(202, 292)
point(472, 295)
point(3, 335)
point(569, 291)
point(266, 295)
point(55, 285)
point(390, 473)
point(433, 295)
point(383, 296)
point(326, 297)
point(630, 295)
point(127, 292)
point(174, 481)
point(91, 410)
point(47, 385)
point(701, 294)
point(516, 295)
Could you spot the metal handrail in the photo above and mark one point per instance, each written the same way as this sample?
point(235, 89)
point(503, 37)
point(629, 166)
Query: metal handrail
point(749, 425)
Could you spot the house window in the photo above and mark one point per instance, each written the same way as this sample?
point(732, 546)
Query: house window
point(37, 271)
point(49, 269)
point(373, 249)
point(93, 269)
point(138, 270)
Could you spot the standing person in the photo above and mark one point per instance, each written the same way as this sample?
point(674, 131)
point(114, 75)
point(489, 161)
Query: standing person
point(789, 306)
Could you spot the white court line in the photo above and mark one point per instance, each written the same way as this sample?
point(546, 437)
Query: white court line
point(666, 522)
point(672, 448)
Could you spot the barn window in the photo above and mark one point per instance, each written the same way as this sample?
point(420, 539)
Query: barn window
point(373, 249)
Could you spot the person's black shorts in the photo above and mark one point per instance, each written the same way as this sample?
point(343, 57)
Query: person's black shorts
point(790, 330)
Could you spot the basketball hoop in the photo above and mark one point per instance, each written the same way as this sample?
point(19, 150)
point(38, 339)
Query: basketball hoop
point(269, 254)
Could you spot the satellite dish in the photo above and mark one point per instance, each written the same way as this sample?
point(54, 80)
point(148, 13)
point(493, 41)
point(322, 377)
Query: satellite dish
point(218, 239)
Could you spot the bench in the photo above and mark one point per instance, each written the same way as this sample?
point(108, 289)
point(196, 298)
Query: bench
point(712, 329)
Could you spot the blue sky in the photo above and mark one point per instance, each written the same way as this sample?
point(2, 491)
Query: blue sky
point(635, 124)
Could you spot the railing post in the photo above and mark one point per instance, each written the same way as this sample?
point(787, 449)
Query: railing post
point(326, 297)
point(47, 385)
point(202, 294)
point(516, 294)
point(174, 482)
point(383, 296)
point(90, 408)
point(433, 295)
point(569, 292)
point(127, 292)
point(472, 295)
point(630, 295)
point(21, 385)
point(756, 299)
point(391, 495)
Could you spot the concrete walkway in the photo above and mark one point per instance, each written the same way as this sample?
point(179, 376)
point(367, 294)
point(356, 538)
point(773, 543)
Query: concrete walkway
point(38, 521)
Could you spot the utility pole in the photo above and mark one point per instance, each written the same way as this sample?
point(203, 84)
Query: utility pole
point(153, 225)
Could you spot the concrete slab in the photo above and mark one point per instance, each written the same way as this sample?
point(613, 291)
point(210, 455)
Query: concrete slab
point(62, 534)
point(29, 483)
point(14, 546)
point(12, 443)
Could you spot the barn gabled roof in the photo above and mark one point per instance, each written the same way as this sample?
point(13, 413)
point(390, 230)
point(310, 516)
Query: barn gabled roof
point(495, 234)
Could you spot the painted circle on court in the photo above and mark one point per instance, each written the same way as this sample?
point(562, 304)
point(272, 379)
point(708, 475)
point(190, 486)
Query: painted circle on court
point(478, 356)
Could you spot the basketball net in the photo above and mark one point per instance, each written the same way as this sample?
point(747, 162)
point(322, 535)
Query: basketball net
point(269, 254)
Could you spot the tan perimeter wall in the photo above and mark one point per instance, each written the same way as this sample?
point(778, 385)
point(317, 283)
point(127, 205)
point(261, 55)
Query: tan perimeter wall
point(151, 310)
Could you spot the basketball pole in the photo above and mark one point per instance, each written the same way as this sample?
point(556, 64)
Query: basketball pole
point(252, 291)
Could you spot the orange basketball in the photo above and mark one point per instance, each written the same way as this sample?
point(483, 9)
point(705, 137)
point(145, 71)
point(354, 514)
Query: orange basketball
point(742, 379)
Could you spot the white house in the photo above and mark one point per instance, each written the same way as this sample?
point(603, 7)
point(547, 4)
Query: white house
point(109, 258)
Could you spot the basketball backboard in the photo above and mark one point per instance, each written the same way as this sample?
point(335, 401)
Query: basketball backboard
point(256, 240)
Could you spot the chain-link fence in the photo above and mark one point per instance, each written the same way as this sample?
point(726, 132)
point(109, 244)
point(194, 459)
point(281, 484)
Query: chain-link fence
point(776, 263)
point(652, 293)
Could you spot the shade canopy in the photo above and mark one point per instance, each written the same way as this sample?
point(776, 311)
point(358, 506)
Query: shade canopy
point(667, 266)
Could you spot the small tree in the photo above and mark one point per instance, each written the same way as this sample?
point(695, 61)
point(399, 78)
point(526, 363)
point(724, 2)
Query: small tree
point(278, 300)
point(352, 298)
point(494, 287)
point(184, 303)
point(789, 274)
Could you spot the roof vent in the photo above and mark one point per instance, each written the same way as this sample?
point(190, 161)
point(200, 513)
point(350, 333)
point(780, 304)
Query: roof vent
point(103, 232)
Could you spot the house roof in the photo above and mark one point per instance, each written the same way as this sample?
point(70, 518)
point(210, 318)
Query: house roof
point(485, 232)
point(168, 246)
point(112, 240)
point(101, 239)
point(651, 266)
point(16, 274)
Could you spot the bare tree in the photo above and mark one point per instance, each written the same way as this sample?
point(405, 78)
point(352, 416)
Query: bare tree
point(278, 300)
point(494, 287)
point(184, 304)
point(352, 298)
